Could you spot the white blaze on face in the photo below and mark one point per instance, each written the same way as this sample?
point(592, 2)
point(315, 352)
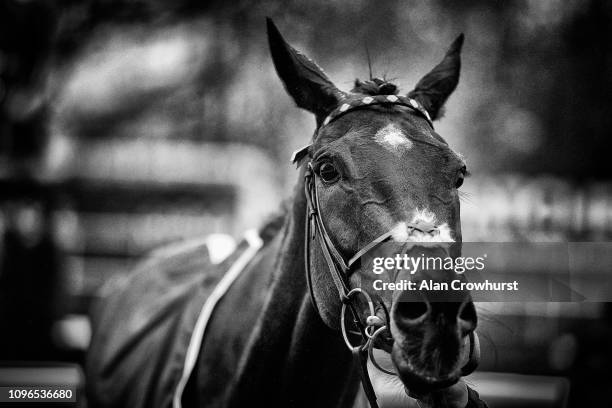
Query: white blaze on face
point(401, 232)
point(392, 138)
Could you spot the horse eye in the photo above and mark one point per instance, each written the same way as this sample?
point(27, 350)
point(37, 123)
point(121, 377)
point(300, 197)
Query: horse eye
point(459, 182)
point(328, 173)
point(461, 177)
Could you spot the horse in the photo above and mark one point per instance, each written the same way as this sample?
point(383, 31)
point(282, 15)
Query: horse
point(270, 325)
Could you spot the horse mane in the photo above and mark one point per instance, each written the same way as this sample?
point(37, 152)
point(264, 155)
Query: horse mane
point(274, 223)
point(375, 86)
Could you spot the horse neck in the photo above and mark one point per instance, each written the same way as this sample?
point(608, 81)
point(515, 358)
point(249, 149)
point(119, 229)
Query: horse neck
point(294, 358)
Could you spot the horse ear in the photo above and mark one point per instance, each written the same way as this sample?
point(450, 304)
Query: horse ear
point(307, 84)
point(435, 87)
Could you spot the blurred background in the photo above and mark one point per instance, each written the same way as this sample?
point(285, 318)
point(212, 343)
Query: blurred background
point(126, 125)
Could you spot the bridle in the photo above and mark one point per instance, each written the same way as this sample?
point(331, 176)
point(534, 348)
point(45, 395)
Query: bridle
point(340, 269)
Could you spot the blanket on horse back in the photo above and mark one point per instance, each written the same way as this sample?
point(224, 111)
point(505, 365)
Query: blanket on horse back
point(148, 327)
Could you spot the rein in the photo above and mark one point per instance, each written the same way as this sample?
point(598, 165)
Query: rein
point(341, 270)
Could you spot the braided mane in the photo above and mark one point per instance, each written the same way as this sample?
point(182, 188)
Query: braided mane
point(375, 86)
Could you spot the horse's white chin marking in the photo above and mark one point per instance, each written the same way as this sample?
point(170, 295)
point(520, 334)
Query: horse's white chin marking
point(401, 232)
point(392, 138)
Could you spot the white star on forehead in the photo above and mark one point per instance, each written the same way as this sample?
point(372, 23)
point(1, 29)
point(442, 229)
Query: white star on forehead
point(392, 138)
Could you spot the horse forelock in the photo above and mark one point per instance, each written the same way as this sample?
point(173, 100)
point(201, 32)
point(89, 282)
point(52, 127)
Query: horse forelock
point(375, 86)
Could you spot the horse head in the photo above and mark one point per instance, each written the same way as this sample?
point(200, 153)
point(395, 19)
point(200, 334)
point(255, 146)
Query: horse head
point(376, 167)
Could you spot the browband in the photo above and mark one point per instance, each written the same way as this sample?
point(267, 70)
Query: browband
point(351, 103)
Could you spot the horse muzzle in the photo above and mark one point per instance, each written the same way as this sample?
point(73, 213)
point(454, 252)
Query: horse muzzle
point(420, 378)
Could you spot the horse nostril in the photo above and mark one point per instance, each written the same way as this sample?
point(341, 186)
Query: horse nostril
point(410, 313)
point(467, 317)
